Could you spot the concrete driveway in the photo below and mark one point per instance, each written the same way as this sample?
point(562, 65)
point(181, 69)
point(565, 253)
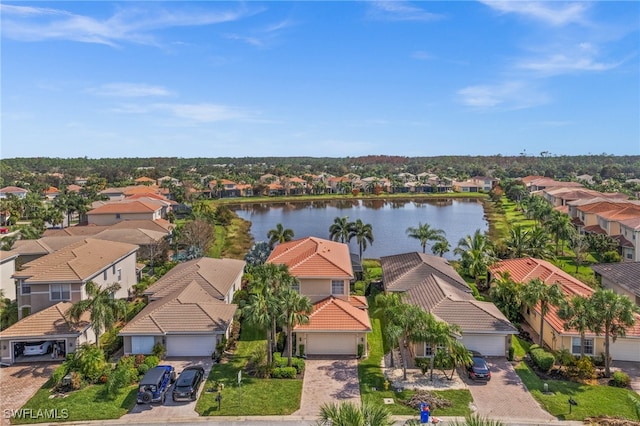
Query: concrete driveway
point(328, 380)
point(19, 382)
point(505, 397)
point(171, 409)
point(632, 369)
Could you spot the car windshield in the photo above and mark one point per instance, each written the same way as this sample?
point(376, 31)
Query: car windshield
point(186, 378)
point(479, 364)
point(34, 343)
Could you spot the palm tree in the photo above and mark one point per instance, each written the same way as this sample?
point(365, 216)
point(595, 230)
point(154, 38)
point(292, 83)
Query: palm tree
point(350, 414)
point(437, 334)
point(387, 305)
point(296, 309)
point(279, 235)
point(363, 234)
point(104, 309)
point(577, 314)
point(518, 241)
point(425, 233)
point(580, 246)
point(560, 227)
point(614, 313)
point(537, 291)
point(441, 247)
point(506, 295)
point(256, 312)
point(340, 229)
point(477, 254)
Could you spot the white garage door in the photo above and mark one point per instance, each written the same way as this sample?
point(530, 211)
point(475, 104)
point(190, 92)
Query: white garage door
point(486, 344)
point(191, 345)
point(625, 350)
point(331, 344)
point(142, 344)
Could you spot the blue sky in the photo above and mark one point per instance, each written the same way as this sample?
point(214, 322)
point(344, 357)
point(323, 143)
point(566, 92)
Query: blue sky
point(331, 78)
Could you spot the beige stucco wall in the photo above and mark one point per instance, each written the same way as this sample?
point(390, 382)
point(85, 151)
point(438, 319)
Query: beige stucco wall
point(7, 284)
point(318, 289)
point(112, 219)
point(127, 343)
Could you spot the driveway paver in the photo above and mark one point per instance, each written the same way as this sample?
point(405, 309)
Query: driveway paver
point(505, 397)
point(171, 409)
point(328, 380)
point(19, 382)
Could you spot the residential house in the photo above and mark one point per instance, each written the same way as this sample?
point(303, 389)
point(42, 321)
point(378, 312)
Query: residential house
point(7, 269)
point(484, 183)
point(630, 239)
point(523, 270)
point(61, 276)
point(339, 322)
point(538, 183)
point(623, 278)
point(145, 181)
point(190, 309)
point(112, 213)
point(224, 188)
point(51, 193)
point(13, 190)
point(431, 283)
point(50, 324)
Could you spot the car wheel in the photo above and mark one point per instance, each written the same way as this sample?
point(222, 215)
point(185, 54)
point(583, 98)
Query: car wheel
point(147, 397)
point(194, 396)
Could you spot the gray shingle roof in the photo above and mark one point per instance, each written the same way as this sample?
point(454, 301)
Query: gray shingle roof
point(624, 274)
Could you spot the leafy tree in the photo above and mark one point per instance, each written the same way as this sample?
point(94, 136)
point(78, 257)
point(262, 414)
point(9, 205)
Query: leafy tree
point(340, 229)
point(258, 253)
point(614, 314)
point(103, 308)
point(363, 233)
point(350, 414)
point(8, 311)
point(537, 291)
point(441, 247)
point(580, 247)
point(439, 335)
point(425, 233)
point(199, 234)
point(561, 228)
point(279, 234)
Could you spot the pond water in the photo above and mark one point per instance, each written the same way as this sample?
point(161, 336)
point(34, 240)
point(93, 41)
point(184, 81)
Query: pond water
point(389, 220)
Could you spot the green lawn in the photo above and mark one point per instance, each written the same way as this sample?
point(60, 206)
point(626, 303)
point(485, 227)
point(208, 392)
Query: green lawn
point(372, 381)
point(89, 403)
point(592, 400)
point(254, 397)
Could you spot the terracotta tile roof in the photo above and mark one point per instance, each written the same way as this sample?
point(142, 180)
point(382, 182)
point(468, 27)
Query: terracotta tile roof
point(624, 274)
point(159, 225)
point(13, 190)
point(215, 276)
point(151, 196)
point(401, 272)
point(51, 190)
point(31, 247)
point(136, 236)
point(524, 270)
point(632, 212)
point(74, 188)
point(144, 179)
point(47, 322)
point(78, 230)
point(7, 255)
point(596, 229)
point(333, 314)
point(76, 262)
point(141, 189)
point(313, 257)
point(633, 223)
point(125, 207)
point(189, 310)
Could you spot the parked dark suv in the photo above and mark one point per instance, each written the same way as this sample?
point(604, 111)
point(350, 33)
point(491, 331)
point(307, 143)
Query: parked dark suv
point(186, 387)
point(155, 384)
point(478, 369)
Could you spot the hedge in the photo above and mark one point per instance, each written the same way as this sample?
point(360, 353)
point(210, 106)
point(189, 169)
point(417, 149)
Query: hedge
point(283, 373)
point(542, 359)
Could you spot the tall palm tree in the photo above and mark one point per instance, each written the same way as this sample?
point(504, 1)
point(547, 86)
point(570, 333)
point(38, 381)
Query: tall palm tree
point(363, 234)
point(614, 313)
point(560, 226)
point(580, 247)
point(537, 291)
point(437, 334)
point(257, 313)
point(279, 234)
point(425, 233)
point(518, 241)
point(350, 414)
point(103, 308)
point(387, 305)
point(296, 309)
point(577, 314)
point(477, 254)
point(340, 229)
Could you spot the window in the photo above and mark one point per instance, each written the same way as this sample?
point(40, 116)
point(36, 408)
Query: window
point(575, 346)
point(117, 215)
point(429, 352)
point(104, 275)
point(119, 275)
point(296, 287)
point(113, 269)
point(337, 287)
point(25, 289)
point(60, 291)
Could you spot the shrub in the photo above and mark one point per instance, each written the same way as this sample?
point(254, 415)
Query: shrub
point(283, 373)
point(611, 257)
point(159, 350)
point(620, 379)
point(120, 377)
point(279, 361)
point(142, 369)
point(58, 374)
point(138, 360)
point(542, 359)
point(360, 350)
point(585, 368)
point(151, 361)
point(512, 352)
point(301, 350)
point(423, 364)
point(76, 380)
point(359, 288)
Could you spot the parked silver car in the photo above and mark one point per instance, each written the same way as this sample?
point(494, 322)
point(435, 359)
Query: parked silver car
point(38, 348)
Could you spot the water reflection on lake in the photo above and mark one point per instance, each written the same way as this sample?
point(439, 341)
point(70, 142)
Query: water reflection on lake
point(388, 218)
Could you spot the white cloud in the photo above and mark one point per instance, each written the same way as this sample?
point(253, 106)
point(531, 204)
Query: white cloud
point(254, 41)
point(554, 13)
point(126, 25)
point(204, 113)
point(581, 57)
point(399, 10)
point(129, 90)
point(505, 96)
